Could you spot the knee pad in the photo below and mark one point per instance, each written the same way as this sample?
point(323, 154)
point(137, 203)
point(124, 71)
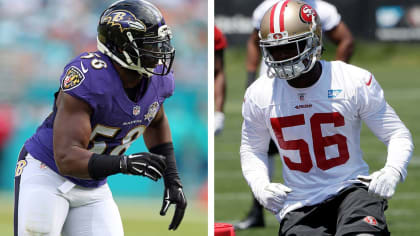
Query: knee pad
point(37, 228)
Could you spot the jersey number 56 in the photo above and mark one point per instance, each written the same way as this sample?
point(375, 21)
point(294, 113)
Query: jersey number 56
point(319, 142)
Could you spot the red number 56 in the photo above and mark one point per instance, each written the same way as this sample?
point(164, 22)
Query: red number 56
point(319, 142)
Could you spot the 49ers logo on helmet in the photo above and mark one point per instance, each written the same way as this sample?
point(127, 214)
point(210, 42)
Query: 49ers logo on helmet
point(306, 13)
point(277, 36)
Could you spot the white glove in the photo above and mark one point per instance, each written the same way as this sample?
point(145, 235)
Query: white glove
point(273, 196)
point(382, 183)
point(219, 120)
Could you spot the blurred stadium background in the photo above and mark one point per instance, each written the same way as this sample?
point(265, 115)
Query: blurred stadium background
point(387, 36)
point(38, 38)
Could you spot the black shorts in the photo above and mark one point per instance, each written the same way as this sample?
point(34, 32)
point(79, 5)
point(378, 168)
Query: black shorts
point(272, 148)
point(351, 211)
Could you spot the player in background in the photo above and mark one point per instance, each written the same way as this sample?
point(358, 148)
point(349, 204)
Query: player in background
point(313, 110)
point(106, 100)
point(334, 28)
point(220, 43)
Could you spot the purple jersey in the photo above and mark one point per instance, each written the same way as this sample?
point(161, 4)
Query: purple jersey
point(116, 120)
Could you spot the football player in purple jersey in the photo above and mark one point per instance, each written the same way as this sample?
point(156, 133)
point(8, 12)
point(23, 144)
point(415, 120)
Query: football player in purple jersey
point(107, 99)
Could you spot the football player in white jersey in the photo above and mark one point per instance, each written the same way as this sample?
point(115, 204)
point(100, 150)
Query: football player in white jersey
point(313, 110)
point(337, 32)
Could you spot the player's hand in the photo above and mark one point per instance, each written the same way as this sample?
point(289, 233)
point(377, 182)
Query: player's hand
point(219, 120)
point(173, 194)
point(144, 164)
point(273, 196)
point(382, 183)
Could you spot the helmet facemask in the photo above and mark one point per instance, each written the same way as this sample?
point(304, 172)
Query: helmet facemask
point(290, 39)
point(290, 57)
point(150, 55)
point(134, 35)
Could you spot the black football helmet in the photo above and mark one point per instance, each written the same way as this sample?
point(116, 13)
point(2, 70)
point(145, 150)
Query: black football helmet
point(134, 34)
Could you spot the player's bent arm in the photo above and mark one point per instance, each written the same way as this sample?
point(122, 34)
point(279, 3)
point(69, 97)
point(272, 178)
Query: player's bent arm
point(219, 91)
point(255, 170)
point(343, 38)
point(388, 127)
point(71, 136)
point(219, 80)
point(157, 138)
point(384, 123)
point(253, 56)
point(254, 147)
point(254, 158)
point(254, 163)
point(158, 131)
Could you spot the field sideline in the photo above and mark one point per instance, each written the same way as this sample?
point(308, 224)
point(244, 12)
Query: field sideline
point(396, 67)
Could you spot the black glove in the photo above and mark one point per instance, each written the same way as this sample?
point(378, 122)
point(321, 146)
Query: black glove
point(173, 194)
point(145, 164)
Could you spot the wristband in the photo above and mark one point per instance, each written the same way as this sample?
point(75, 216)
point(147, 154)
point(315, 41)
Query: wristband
point(101, 166)
point(171, 172)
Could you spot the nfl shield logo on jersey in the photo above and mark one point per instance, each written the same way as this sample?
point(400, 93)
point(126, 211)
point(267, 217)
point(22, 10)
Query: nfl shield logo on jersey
point(136, 110)
point(301, 96)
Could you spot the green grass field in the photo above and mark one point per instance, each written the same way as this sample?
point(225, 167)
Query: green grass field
point(396, 67)
point(140, 217)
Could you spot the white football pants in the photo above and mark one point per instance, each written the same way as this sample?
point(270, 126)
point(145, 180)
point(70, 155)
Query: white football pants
point(51, 205)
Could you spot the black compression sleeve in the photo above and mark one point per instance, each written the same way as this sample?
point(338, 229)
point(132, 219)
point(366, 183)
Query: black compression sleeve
point(101, 166)
point(171, 172)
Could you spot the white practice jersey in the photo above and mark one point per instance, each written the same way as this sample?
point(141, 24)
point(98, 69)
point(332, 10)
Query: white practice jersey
point(327, 12)
point(317, 132)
